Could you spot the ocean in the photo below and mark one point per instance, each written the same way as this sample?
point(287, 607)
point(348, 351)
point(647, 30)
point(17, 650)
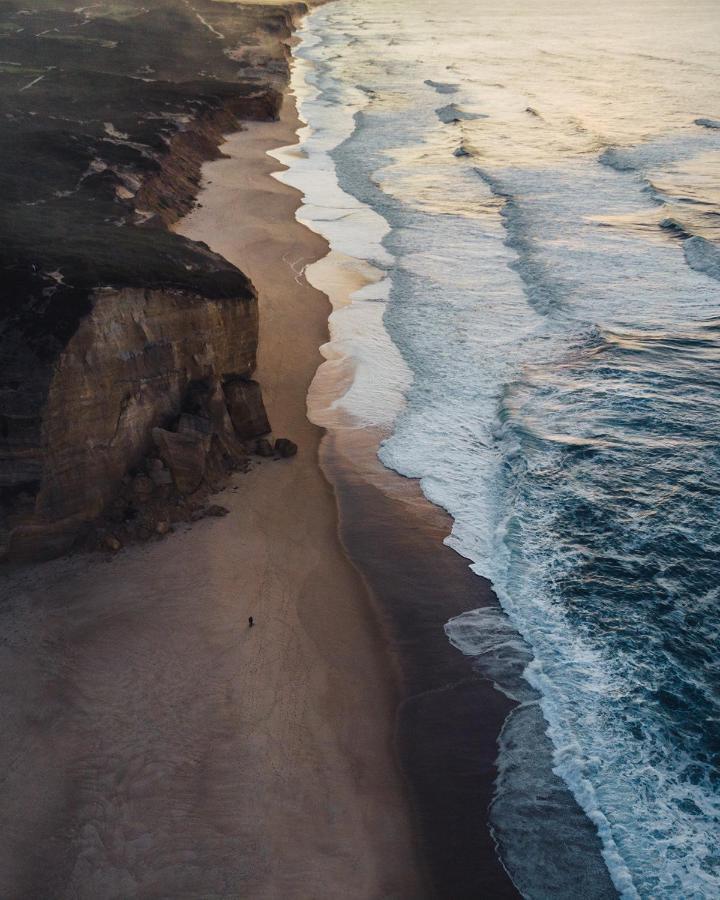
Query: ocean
point(527, 198)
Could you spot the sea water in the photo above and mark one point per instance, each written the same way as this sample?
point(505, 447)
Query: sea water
point(532, 190)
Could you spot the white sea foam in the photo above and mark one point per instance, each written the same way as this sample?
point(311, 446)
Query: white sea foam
point(354, 275)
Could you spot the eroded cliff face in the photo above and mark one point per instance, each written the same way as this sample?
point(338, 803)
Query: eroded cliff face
point(125, 371)
point(108, 318)
point(169, 192)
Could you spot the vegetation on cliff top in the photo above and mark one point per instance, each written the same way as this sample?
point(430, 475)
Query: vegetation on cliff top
point(93, 101)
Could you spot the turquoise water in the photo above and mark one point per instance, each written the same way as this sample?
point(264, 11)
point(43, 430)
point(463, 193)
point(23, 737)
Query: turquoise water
point(539, 186)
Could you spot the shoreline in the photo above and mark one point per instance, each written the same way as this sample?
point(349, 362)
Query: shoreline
point(152, 703)
point(446, 755)
point(459, 737)
point(155, 744)
point(450, 717)
point(263, 139)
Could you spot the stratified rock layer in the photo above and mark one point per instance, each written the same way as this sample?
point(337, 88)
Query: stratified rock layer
point(125, 371)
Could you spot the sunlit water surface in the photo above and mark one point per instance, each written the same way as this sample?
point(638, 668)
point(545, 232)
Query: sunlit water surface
point(537, 188)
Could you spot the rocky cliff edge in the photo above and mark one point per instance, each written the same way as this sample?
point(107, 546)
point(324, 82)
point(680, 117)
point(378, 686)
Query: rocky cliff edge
point(115, 332)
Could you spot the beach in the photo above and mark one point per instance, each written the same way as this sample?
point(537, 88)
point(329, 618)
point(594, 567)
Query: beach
point(449, 628)
point(154, 745)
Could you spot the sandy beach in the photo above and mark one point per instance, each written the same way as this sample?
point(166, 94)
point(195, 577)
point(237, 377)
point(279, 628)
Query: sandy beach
point(154, 745)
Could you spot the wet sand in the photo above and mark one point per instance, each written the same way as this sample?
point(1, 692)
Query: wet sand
point(449, 718)
point(154, 745)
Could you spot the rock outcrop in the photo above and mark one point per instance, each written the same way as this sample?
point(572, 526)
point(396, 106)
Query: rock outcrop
point(112, 328)
point(125, 372)
point(246, 408)
point(185, 453)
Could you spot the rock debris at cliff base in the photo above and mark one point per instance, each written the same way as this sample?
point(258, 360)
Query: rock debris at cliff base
point(221, 427)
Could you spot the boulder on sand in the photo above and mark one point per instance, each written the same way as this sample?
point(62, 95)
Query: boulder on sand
point(285, 447)
point(185, 454)
point(245, 405)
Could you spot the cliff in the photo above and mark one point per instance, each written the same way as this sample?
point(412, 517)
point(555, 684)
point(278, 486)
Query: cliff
point(107, 318)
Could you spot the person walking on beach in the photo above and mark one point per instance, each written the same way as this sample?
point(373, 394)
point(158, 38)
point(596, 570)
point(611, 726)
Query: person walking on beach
point(250, 622)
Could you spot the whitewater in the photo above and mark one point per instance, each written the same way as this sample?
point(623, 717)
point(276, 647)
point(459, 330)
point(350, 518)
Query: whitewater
point(527, 197)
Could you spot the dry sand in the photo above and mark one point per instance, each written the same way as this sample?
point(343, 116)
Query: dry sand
point(152, 744)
